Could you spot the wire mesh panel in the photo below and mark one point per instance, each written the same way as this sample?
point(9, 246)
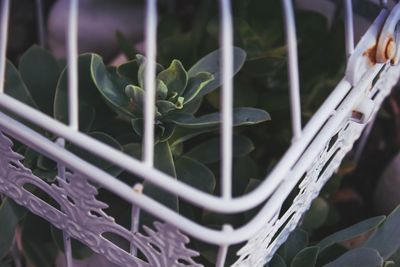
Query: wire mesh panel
point(316, 152)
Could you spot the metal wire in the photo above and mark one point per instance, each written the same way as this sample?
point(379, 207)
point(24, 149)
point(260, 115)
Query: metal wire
point(150, 74)
point(227, 97)
point(72, 58)
point(349, 27)
point(293, 68)
point(5, 14)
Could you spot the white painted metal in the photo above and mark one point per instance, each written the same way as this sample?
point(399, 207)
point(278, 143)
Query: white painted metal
point(349, 27)
point(293, 68)
point(72, 59)
point(5, 13)
point(150, 74)
point(307, 162)
point(226, 97)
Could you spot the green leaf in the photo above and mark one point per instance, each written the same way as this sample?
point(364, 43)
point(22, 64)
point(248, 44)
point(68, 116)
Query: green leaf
point(142, 68)
point(16, 88)
point(195, 174)
point(244, 169)
point(37, 242)
point(175, 77)
point(97, 161)
point(330, 253)
point(277, 261)
point(111, 86)
point(351, 232)
point(8, 225)
point(40, 72)
point(306, 257)
point(241, 116)
point(161, 90)
point(209, 151)
point(211, 64)
point(129, 70)
point(196, 84)
point(89, 98)
point(386, 239)
point(316, 215)
point(165, 106)
point(296, 241)
point(164, 162)
point(79, 250)
point(136, 94)
point(366, 257)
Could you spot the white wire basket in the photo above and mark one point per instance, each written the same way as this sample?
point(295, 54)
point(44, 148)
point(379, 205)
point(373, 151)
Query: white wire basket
point(316, 152)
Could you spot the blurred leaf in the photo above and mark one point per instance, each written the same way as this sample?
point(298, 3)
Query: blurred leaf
point(386, 238)
point(40, 72)
point(211, 64)
point(125, 46)
point(277, 261)
point(37, 242)
point(365, 257)
point(209, 151)
point(129, 70)
point(79, 250)
point(306, 257)
point(244, 169)
point(351, 232)
point(316, 215)
point(95, 160)
point(330, 253)
point(16, 88)
point(296, 241)
point(8, 224)
point(163, 161)
point(195, 174)
point(88, 95)
point(241, 116)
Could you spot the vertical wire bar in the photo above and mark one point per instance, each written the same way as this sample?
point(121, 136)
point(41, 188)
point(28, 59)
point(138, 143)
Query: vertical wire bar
point(135, 217)
point(293, 68)
point(227, 97)
point(40, 23)
point(349, 27)
point(5, 14)
point(72, 39)
point(223, 249)
point(66, 237)
point(150, 73)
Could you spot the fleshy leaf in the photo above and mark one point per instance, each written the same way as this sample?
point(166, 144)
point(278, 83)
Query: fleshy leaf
point(351, 232)
point(89, 97)
point(195, 174)
point(165, 106)
point(306, 257)
point(161, 90)
point(241, 116)
point(40, 72)
point(111, 87)
point(366, 257)
point(211, 64)
point(175, 77)
point(386, 238)
point(136, 94)
point(129, 70)
point(196, 84)
point(209, 151)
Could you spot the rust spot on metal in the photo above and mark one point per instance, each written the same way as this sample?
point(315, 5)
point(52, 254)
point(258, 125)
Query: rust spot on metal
point(370, 53)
